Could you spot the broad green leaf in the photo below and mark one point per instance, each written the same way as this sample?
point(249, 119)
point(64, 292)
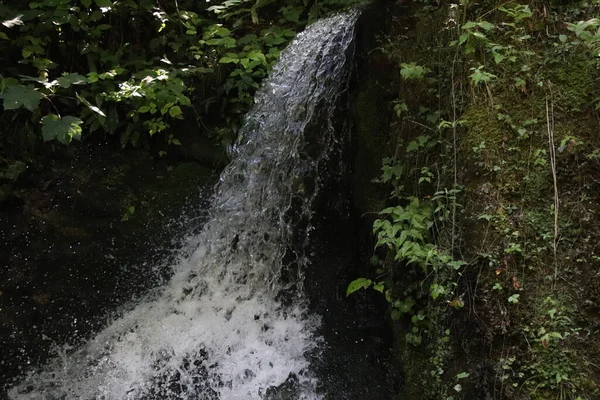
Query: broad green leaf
point(175, 111)
point(63, 129)
point(379, 287)
point(486, 25)
point(404, 306)
point(357, 284)
point(412, 146)
point(3, 36)
point(228, 60)
point(257, 56)
point(19, 95)
point(103, 3)
point(469, 25)
point(67, 80)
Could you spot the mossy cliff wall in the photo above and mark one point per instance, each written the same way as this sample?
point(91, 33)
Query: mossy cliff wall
point(499, 132)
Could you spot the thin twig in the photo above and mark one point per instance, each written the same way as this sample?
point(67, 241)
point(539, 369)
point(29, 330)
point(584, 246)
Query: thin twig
point(550, 125)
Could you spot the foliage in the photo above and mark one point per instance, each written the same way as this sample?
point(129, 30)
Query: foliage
point(132, 68)
point(496, 104)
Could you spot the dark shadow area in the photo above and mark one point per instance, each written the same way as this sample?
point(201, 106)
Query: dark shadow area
point(357, 360)
point(96, 230)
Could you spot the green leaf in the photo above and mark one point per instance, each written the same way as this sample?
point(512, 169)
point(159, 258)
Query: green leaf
point(67, 80)
point(103, 3)
point(379, 287)
point(19, 95)
point(228, 60)
point(92, 107)
point(412, 146)
point(257, 56)
point(13, 171)
point(514, 299)
point(413, 71)
point(404, 306)
point(63, 129)
point(175, 111)
point(357, 284)
point(436, 290)
point(456, 264)
point(486, 25)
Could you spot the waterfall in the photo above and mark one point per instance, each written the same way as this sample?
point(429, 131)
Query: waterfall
point(232, 323)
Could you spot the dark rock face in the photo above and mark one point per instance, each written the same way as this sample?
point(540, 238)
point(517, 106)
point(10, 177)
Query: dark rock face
point(73, 239)
point(357, 361)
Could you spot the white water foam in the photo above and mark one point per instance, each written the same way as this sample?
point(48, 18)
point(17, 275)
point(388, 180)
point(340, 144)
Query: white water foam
point(220, 328)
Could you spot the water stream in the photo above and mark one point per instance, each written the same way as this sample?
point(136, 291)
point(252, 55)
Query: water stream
point(233, 321)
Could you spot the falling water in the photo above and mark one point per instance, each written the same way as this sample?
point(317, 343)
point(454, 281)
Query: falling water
point(232, 323)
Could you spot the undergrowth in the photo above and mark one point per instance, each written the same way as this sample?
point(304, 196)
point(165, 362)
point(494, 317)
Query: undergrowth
point(487, 251)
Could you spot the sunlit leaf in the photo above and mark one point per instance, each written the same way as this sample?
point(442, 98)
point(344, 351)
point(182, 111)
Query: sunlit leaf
point(357, 284)
point(67, 80)
point(92, 107)
point(9, 23)
point(63, 129)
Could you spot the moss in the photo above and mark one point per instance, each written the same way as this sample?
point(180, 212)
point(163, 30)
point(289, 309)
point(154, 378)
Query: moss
point(505, 224)
point(575, 84)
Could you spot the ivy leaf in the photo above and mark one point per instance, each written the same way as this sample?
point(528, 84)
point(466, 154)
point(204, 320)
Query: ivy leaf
point(436, 290)
point(357, 284)
point(63, 129)
point(412, 146)
point(18, 95)
point(404, 306)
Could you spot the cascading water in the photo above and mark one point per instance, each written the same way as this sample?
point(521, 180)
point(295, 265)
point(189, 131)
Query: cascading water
point(228, 325)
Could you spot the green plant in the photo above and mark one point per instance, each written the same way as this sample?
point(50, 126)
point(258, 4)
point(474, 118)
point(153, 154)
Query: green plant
point(136, 80)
